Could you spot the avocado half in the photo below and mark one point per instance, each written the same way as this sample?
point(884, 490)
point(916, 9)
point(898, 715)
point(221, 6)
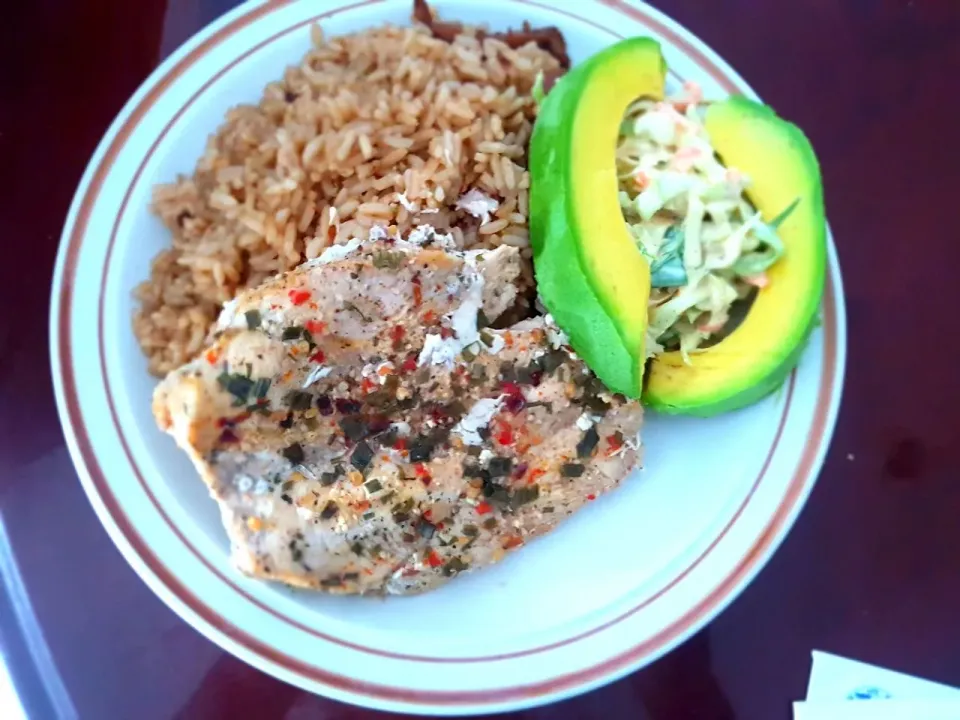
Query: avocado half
point(759, 354)
point(590, 274)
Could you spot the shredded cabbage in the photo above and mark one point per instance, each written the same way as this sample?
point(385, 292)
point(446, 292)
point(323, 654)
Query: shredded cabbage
point(537, 91)
point(706, 245)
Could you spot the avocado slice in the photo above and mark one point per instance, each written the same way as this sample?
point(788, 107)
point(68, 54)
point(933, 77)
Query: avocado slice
point(759, 354)
point(590, 274)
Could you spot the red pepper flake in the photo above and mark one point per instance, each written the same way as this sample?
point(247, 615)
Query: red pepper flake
point(515, 402)
point(439, 526)
point(536, 475)
point(446, 333)
point(429, 317)
point(512, 542)
point(510, 388)
point(410, 364)
point(483, 508)
point(396, 334)
point(421, 470)
point(591, 496)
point(427, 513)
point(315, 327)
point(614, 442)
point(432, 559)
point(299, 297)
point(212, 356)
point(318, 356)
point(368, 385)
point(503, 433)
point(400, 444)
point(417, 293)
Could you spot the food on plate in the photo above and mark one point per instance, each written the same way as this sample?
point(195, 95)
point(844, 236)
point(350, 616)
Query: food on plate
point(364, 431)
point(789, 269)
point(714, 208)
point(385, 126)
point(549, 39)
point(589, 272)
point(357, 359)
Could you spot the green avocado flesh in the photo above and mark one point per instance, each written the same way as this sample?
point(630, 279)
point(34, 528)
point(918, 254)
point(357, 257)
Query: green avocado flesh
point(590, 274)
point(759, 354)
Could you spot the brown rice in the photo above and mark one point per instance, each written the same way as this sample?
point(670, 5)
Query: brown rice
point(389, 126)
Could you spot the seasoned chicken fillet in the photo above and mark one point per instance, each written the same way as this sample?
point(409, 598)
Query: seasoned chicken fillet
point(364, 430)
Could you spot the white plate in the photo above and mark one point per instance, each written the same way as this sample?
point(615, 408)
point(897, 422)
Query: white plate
point(618, 585)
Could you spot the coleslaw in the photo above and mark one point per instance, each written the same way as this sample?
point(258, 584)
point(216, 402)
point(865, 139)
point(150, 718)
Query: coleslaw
point(707, 245)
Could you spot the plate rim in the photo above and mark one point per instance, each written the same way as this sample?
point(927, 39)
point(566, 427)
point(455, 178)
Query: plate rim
point(167, 584)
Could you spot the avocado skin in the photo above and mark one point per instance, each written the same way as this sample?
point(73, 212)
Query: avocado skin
point(558, 230)
point(669, 381)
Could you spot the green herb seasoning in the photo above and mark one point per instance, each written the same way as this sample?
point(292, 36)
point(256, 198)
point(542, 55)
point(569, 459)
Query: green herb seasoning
point(390, 260)
point(354, 427)
point(298, 400)
point(237, 385)
point(253, 319)
point(552, 360)
point(499, 466)
point(294, 332)
point(571, 470)
point(293, 453)
point(456, 565)
point(362, 455)
point(524, 495)
point(260, 388)
point(354, 309)
point(421, 449)
point(588, 443)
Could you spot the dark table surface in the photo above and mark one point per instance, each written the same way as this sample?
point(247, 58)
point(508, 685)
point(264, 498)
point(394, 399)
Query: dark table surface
point(872, 567)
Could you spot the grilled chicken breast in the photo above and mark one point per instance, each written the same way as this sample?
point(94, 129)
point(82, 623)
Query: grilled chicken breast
point(363, 431)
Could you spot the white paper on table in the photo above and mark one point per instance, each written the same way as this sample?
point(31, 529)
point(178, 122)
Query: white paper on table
point(883, 710)
point(835, 678)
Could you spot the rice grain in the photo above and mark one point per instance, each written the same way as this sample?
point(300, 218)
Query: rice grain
point(326, 154)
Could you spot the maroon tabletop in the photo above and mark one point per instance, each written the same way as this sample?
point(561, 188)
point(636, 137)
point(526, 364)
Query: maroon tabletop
point(872, 567)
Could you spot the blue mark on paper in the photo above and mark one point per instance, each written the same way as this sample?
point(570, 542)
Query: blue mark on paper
point(869, 692)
